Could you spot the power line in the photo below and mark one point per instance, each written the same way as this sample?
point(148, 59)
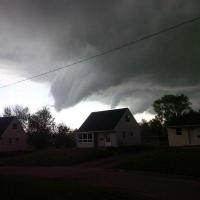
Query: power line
point(133, 42)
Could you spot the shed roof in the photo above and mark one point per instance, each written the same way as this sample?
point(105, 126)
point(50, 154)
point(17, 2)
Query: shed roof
point(4, 123)
point(187, 120)
point(103, 120)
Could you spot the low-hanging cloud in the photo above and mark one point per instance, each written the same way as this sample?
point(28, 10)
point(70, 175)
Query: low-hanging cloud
point(39, 36)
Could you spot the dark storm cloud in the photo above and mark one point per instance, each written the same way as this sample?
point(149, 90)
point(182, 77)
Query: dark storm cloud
point(36, 36)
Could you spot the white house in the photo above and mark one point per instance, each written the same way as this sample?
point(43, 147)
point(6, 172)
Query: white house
point(185, 130)
point(12, 135)
point(110, 128)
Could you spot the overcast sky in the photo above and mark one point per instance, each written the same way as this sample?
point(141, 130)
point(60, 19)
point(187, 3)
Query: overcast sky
point(37, 36)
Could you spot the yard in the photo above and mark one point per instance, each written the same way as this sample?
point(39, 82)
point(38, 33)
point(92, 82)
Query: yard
point(101, 183)
point(56, 157)
point(160, 160)
point(167, 160)
point(23, 188)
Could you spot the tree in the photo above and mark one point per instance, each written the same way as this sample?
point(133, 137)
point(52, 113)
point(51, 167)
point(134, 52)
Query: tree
point(171, 106)
point(62, 129)
point(22, 114)
point(7, 112)
point(153, 132)
point(145, 130)
point(63, 136)
point(41, 127)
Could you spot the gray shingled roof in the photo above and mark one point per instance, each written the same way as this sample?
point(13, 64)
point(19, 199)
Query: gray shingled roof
point(4, 123)
point(103, 120)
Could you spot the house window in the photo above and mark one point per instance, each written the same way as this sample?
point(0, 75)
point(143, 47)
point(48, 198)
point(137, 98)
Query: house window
point(14, 126)
point(131, 133)
point(124, 134)
point(10, 140)
point(17, 140)
point(89, 137)
point(107, 139)
point(85, 137)
point(178, 131)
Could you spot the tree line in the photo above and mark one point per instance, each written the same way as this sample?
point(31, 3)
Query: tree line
point(41, 129)
point(168, 110)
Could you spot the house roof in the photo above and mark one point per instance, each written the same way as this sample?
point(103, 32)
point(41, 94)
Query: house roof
point(103, 120)
point(186, 120)
point(4, 123)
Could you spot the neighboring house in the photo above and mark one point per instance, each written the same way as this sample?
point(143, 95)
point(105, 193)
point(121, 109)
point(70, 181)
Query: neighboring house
point(111, 128)
point(12, 135)
point(184, 131)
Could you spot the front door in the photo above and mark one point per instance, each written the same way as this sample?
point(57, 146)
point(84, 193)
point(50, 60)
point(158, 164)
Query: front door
point(100, 140)
point(104, 140)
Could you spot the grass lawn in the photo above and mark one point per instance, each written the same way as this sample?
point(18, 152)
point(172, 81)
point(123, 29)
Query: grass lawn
point(21, 188)
point(168, 161)
point(57, 157)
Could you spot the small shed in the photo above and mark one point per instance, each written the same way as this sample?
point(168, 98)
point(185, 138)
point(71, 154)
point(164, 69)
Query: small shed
point(185, 130)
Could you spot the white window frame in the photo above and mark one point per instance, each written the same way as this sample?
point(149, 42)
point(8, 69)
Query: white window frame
point(85, 137)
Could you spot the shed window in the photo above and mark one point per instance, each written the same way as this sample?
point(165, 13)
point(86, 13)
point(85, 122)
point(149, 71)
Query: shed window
point(178, 131)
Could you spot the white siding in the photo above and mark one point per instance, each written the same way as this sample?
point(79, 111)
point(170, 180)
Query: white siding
point(128, 132)
point(85, 144)
point(195, 136)
point(102, 142)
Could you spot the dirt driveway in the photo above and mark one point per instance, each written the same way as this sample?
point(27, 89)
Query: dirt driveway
point(149, 186)
point(106, 163)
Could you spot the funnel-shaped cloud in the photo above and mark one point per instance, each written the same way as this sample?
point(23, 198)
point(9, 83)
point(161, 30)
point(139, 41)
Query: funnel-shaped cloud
point(37, 36)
